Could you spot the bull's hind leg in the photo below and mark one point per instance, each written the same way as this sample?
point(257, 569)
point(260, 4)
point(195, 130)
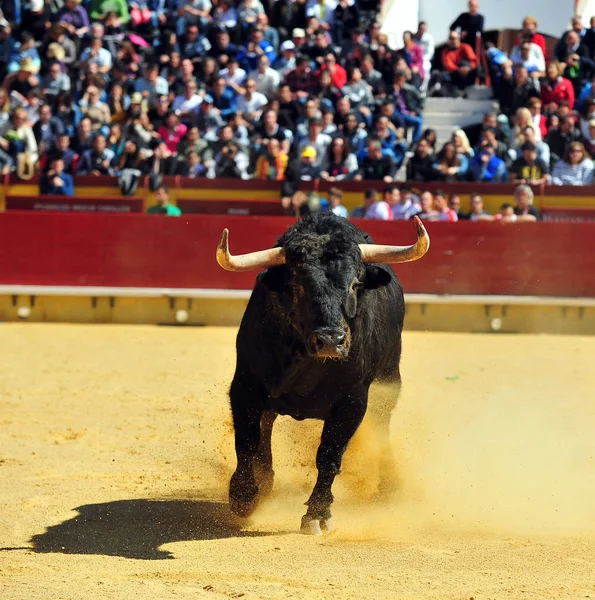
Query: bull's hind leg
point(246, 408)
point(346, 416)
point(263, 461)
point(384, 395)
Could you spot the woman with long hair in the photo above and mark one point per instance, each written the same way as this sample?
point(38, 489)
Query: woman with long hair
point(575, 169)
point(448, 164)
point(340, 163)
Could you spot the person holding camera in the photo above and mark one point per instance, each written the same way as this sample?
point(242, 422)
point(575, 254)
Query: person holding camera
point(56, 182)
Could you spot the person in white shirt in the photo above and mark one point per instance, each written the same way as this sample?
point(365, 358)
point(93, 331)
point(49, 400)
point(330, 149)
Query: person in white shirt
point(252, 102)
point(406, 207)
point(531, 57)
point(267, 79)
point(187, 103)
point(426, 40)
point(233, 73)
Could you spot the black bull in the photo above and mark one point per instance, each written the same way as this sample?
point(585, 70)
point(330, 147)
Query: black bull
point(324, 321)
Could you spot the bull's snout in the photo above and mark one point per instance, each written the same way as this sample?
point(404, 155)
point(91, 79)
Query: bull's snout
point(328, 342)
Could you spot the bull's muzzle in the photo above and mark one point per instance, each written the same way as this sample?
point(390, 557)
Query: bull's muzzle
point(328, 342)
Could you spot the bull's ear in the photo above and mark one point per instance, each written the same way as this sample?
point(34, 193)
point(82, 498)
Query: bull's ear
point(376, 277)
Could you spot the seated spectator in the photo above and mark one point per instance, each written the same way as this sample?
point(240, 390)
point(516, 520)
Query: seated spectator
point(448, 165)
point(56, 181)
point(528, 135)
point(445, 213)
point(559, 139)
point(24, 50)
point(172, 132)
point(470, 24)
point(55, 82)
point(489, 136)
point(376, 166)
point(47, 129)
point(130, 157)
point(57, 46)
point(460, 63)
point(528, 168)
point(414, 54)
point(539, 121)
point(478, 212)
point(231, 162)
point(359, 212)
point(74, 18)
point(192, 142)
point(408, 104)
point(340, 163)
point(378, 210)
point(63, 151)
point(575, 169)
point(224, 99)
point(97, 160)
point(317, 140)
point(249, 55)
point(98, 55)
point(529, 56)
point(18, 85)
point(303, 169)
point(421, 165)
point(95, 110)
point(555, 88)
point(406, 207)
point(589, 140)
point(524, 210)
point(272, 163)
point(529, 31)
point(209, 119)
point(186, 105)
point(163, 205)
point(356, 89)
point(286, 61)
point(337, 72)
point(267, 79)
point(335, 197)
point(354, 134)
point(102, 9)
point(369, 73)
point(586, 93)
point(251, 103)
point(515, 91)
point(427, 212)
point(486, 167)
point(151, 85)
point(302, 81)
point(17, 138)
point(454, 202)
point(192, 166)
point(569, 45)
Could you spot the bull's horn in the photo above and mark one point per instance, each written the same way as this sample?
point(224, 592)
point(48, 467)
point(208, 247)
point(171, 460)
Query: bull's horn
point(373, 253)
point(247, 262)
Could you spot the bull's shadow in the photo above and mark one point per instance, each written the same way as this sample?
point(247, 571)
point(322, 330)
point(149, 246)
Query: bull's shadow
point(137, 528)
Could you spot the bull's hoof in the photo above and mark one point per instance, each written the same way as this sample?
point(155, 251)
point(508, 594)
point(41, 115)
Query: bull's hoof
point(313, 526)
point(243, 508)
point(310, 526)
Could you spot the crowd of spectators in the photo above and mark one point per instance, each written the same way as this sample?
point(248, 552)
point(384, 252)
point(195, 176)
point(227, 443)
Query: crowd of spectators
point(285, 90)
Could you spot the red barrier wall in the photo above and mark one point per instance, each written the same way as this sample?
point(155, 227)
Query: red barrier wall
point(555, 259)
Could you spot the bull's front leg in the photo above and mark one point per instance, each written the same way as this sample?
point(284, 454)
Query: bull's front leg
point(346, 416)
point(246, 409)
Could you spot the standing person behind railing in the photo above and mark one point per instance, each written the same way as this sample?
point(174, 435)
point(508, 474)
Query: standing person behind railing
point(56, 182)
point(426, 40)
point(575, 169)
point(469, 23)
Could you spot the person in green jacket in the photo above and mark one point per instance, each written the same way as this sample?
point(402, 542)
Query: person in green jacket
point(101, 8)
point(163, 207)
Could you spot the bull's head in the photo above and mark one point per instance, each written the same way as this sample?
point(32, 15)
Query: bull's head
point(325, 276)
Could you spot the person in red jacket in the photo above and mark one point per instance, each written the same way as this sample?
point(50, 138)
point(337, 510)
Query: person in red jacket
point(338, 73)
point(530, 28)
point(460, 63)
point(556, 88)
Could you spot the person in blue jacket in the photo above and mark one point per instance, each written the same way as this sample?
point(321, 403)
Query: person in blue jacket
point(56, 182)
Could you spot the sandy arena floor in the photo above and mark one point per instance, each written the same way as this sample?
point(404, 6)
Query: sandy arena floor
point(116, 448)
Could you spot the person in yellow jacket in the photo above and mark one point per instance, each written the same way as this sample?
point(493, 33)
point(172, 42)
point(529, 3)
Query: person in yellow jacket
point(272, 164)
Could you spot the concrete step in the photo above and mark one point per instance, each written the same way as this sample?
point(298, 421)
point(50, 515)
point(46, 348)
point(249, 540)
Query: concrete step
point(479, 92)
point(459, 105)
point(452, 119)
